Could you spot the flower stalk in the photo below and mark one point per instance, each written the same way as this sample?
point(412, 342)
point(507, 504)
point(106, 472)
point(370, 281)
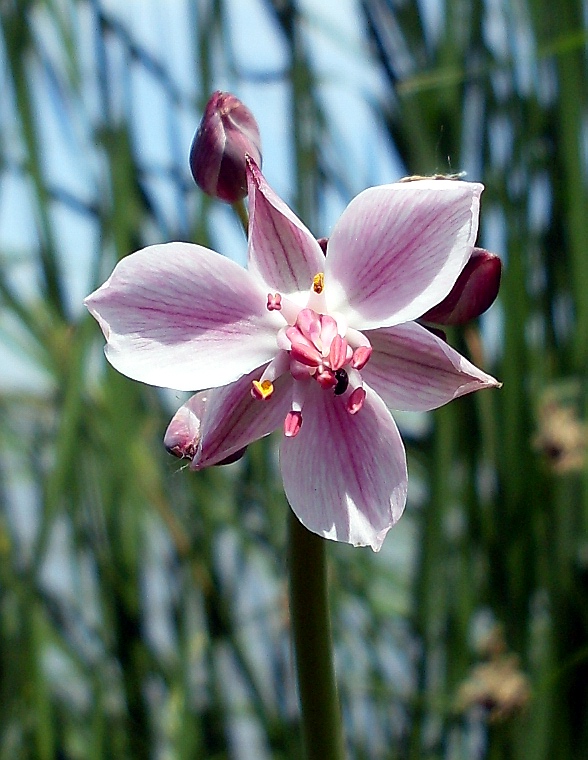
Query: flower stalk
point(242, 215)
point(319, 338)
point(313, 645)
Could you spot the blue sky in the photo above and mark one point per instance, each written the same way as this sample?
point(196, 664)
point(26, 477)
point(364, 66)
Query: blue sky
point(162, 132)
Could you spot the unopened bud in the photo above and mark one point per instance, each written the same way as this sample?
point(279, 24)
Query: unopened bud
point(475, 290)
point(227, 133)
point(183, 432)
point(182, 436)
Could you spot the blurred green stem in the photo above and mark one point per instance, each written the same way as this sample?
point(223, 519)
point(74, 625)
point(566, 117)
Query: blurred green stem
point(313, 646)
point(241, 211)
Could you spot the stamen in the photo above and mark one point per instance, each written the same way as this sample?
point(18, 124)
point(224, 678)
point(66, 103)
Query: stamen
point(274, 302)
point(328, 332)
point(278, 365)
point(288, 309)
point(305, 354)
point(338, 353)
point(318, 282)
point(326, 378)
point(292, 424)
point(356, 400)
point(361, 357)
point(262, 390)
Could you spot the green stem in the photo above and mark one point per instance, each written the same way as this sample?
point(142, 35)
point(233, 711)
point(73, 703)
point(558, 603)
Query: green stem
point(241, 211)
point(313, 646)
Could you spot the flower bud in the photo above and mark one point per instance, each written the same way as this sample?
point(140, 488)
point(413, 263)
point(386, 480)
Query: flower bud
point(228, 131)
point(474, 291)
point(182, 436)
point(183, 432)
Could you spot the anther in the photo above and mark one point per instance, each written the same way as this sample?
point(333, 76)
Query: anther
point(326, 378)
point(318, 282)
point(361, 357)
point(274, 302)
point(338, 352)
point(355, 401)
point(292, 424)
point(262, 390)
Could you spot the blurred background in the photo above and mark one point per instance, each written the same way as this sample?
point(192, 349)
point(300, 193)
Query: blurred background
point(143, 608)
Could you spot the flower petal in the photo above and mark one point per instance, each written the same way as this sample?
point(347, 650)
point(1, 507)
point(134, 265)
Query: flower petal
point(345, 475)
point(398, 249)
point(233, 419)
point(414, 370)
point(184, 317)
point(282, 251)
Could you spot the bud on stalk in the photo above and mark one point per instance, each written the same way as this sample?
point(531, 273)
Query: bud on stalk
point(227, 133)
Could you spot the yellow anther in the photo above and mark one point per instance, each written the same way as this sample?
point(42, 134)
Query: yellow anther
point(263, 389)
point(318, 282)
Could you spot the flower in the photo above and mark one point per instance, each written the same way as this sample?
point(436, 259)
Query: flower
point(321, 346)
point(227, 133)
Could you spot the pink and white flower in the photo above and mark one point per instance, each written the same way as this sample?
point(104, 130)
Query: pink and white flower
point(320, 346)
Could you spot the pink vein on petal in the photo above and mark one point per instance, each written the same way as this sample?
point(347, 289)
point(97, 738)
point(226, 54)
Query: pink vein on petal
point(398, 248)
point(184, 317)
point(345, 475)
point(414, 370)
point(283, 253)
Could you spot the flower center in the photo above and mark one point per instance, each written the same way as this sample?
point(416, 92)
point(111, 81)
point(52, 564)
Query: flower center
point(314, 347)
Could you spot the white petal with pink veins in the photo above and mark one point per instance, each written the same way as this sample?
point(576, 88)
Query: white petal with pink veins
point(398, 249)
point(283, 253)
point(414, 370)
point(233, 418)
point(184, 317)
point(345, 475)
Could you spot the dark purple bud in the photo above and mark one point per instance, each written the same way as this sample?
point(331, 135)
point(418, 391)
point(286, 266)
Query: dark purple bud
point(227, 133)
point(323, 244)
point(475, 290)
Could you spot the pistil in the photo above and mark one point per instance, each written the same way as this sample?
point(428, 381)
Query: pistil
point(315, 346)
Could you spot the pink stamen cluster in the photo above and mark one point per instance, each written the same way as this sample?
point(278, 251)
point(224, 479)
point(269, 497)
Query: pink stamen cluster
point(313, 348)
